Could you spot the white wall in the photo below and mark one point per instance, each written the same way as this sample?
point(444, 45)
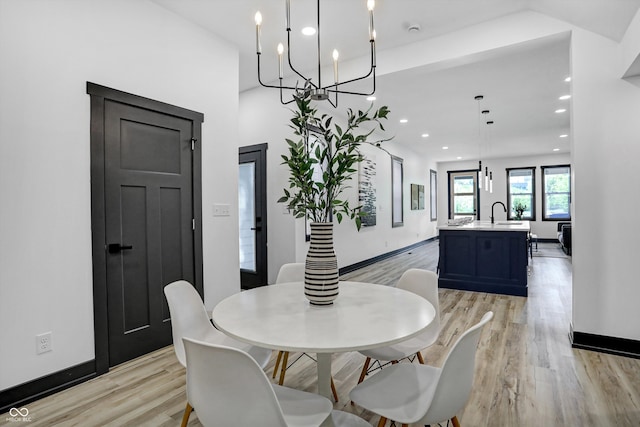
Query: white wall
point(544, 229)
point(49, 51)
point(264, 119)
point(605, 151)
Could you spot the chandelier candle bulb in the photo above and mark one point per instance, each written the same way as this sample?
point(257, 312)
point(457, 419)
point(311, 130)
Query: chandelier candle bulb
point(280, 52)
point(372, 32)
point(335, 65)
point(258, 19)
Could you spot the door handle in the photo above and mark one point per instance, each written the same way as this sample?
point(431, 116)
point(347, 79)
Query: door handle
point(256, 228)
point(114, 248)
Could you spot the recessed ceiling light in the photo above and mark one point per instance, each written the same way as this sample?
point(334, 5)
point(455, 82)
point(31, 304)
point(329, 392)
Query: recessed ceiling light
point(568, 79)
point(371, 98)
point(308, 31)
point(403, 120)
point(561, 110)
point(445, 148)
point(563, 97)
point(556, 149)
point(564, 135)
point(425, 135)
point(459, 158)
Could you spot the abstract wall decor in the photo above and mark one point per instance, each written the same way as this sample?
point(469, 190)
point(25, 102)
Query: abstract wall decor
point(367, 190)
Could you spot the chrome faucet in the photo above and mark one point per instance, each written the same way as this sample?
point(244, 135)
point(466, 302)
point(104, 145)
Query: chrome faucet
point(493, 205)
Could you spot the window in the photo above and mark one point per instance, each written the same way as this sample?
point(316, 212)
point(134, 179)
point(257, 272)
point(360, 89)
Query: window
point(521, 191)
point(556, 193)
point(463, 194)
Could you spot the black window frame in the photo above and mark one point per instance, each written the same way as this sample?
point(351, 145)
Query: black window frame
point(544, 192)
point(510, 213)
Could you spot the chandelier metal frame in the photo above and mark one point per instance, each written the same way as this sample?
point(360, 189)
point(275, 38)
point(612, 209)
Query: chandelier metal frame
point(317, 91)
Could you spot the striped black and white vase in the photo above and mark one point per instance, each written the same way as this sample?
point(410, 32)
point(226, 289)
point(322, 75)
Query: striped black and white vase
point(321, 266)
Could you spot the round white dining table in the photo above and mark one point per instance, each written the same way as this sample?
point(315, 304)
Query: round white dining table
point(364, 316)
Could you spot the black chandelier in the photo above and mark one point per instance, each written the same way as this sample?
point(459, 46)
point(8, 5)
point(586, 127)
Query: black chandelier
point(318, 92)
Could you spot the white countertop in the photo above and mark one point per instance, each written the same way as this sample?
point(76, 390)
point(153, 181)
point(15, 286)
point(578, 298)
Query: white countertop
point(487, 226)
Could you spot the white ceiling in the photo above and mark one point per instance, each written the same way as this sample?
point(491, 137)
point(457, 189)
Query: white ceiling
point(520, 87)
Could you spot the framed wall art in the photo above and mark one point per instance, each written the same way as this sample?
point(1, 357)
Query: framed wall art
point(433, 194)
point(396, 192)
point(417, 197)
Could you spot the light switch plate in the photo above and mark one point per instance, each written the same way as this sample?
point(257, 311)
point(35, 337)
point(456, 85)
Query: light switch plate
point(221, 209)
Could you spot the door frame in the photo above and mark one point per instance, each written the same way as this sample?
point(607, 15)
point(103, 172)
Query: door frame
point(476, 191)
point(99, 95)
point(261, 150)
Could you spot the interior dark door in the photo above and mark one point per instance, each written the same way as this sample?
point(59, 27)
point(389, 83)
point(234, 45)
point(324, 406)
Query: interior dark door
point(149, 233)
point(252, 190)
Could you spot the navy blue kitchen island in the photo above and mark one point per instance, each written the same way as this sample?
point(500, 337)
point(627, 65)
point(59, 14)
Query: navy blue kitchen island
point(485, 257)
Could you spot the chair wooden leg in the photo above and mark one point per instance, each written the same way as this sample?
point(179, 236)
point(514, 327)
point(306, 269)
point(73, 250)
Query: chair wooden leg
point(187, 413)
point(420, 358)
point(455, 422)
point(364, 370)
point(382, 422)
point(283, 370)
point(334, 391)
point(275, 368)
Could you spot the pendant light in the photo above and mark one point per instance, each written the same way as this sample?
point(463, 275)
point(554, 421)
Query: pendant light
point(479, 98)
point(489, 178)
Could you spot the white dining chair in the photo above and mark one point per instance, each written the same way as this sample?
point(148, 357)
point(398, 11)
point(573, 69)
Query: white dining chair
point(425, 284)
point(425, 395)
point(292, 272)
point(189, 318)
point(228, 388)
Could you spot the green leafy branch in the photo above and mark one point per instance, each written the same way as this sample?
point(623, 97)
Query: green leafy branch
point(335, 160)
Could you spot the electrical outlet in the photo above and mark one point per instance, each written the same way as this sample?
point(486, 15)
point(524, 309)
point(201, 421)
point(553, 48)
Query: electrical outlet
point(43, 343)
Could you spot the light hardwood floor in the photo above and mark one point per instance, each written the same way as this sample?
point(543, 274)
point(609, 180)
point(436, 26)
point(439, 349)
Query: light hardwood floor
point(526, 374)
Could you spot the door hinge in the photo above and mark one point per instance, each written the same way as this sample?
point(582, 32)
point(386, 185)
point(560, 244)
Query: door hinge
point(193, 224)
point(193, 143)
